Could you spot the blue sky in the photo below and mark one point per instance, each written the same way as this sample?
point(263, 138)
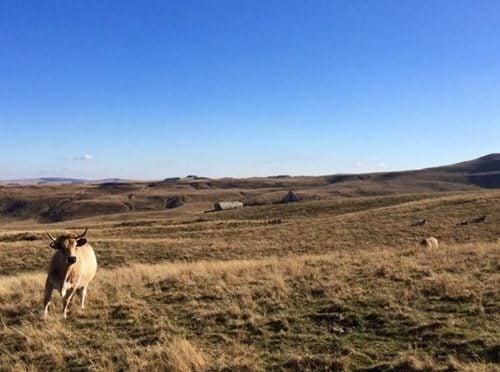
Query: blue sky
point(154, 89)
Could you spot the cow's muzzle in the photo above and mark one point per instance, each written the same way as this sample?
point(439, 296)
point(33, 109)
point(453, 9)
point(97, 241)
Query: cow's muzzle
point(71, 260)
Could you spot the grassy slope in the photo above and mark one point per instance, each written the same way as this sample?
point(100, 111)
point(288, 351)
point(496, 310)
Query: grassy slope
point(318, 291)
point(309, 227)
point(372, 309)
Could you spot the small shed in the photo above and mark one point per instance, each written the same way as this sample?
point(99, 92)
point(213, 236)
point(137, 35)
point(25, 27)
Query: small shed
point(290, 198)
point(222, 206)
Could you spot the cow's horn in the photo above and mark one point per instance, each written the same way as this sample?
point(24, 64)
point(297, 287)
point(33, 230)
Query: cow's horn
point(51, 237)
point(81, 235)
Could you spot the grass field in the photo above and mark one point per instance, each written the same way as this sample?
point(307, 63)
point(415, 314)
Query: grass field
point(339, 284)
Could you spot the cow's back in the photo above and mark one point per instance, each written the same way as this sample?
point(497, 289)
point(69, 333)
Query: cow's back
point(430, 243)
point(434, 243)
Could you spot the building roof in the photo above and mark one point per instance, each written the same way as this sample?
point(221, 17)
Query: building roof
point(229, 204)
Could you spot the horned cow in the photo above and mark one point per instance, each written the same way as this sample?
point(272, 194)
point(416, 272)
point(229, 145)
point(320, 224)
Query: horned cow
point(71, 269)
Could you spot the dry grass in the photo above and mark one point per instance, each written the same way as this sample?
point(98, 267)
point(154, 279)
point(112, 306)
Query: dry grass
point(373, 309)
point(340, 285)
point(309, 228)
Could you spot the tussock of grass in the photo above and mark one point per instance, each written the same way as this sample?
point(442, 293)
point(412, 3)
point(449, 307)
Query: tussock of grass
point(176, 355)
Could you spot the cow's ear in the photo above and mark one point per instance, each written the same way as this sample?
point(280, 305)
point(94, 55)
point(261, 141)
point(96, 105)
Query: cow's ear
point(81, 242)
point(54, 245)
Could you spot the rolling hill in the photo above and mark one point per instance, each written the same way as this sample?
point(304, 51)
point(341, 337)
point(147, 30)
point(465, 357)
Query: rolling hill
point(482, 172)
point(67, 199)
point(340, 283)
point(337, 281)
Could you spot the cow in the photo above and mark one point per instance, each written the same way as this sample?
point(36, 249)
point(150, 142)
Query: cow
point(480, 219)
point(431, 242)
point(276, 221)
point(419, 223)
point(71, 269)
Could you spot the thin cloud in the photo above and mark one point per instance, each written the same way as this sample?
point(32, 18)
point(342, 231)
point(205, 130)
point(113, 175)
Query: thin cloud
point(370, 167)
point(154, 164)
point(81, 157)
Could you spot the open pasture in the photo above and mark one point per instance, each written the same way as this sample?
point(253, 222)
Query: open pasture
point(335, 284)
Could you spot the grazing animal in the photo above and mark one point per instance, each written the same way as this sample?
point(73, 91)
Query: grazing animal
point(71, 269)
point(431, 242)
point(276, 221)
point(419, 223)
point(478, 219)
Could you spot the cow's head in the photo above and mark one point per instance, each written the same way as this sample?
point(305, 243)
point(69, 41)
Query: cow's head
point(68, 244)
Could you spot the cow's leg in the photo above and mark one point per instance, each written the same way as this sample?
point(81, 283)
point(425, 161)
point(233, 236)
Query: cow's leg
point(47, 297)
point(79, 293)
point(82, 292)
point(67, 300)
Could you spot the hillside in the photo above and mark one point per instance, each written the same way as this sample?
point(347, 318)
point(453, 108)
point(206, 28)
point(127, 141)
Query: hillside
point(483, 172)
point(336, 285)
point(75, 199)
point(328, 283)
point(308, 227)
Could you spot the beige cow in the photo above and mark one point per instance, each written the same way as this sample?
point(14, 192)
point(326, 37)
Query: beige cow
point(71, 269)
point(431, 242)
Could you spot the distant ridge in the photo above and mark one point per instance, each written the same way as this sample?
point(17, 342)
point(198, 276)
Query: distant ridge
point(483, 172)
point(58, 181)
point(53, 199)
